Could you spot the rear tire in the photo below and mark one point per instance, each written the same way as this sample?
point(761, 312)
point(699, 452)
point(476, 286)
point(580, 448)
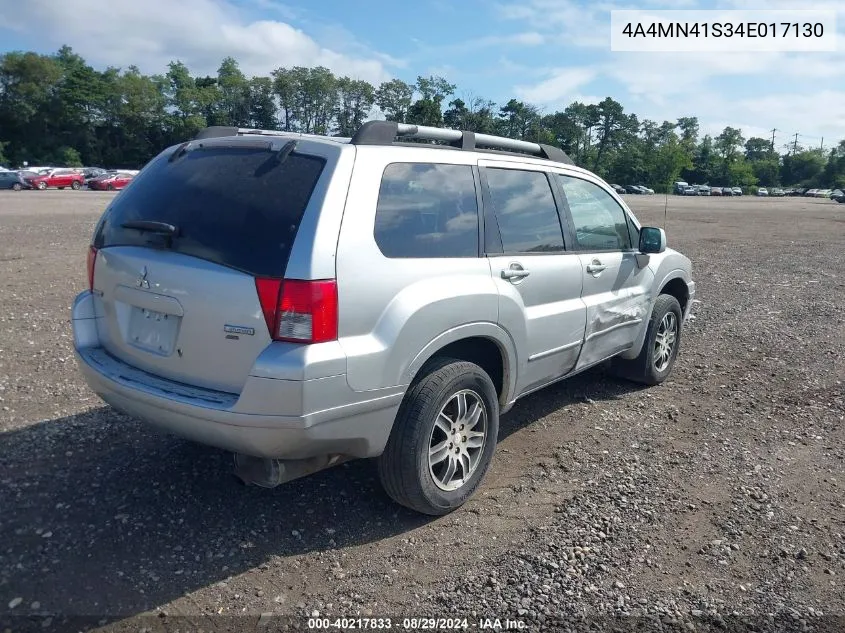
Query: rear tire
point(17, 186)
point(660, 348)
point(42, 186)
point(110, 188)
point(443, 438)
point(75, 185)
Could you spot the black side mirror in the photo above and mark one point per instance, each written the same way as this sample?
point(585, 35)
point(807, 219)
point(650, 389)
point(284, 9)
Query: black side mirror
point(652, 240)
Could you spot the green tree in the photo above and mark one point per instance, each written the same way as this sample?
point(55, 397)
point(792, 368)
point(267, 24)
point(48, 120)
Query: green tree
point(285, 88)
point(394, 99)
point(233, 102)
point(261, 103)
point(355, 101)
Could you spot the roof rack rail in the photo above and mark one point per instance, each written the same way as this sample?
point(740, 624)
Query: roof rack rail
point(387, 132)
point(217, 131)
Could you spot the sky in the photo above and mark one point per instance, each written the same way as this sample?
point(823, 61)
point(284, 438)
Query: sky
point(546, 52)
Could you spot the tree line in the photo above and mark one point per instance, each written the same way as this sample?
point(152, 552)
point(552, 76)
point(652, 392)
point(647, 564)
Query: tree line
point(57, 109)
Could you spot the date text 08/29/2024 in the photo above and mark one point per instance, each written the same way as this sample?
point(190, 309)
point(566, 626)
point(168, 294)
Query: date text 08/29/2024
point(416, 624)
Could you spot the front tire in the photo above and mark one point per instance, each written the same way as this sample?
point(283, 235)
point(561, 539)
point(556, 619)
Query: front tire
point(443, 438)
point(660, 348)
point(42, 186)
point(17, 186)
point(75, 185)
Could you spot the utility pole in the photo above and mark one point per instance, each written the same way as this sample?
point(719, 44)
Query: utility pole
point(821, 146)
point(795, 144)
point(773, 138)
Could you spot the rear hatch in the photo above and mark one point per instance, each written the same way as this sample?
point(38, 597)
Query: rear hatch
point(178, 252)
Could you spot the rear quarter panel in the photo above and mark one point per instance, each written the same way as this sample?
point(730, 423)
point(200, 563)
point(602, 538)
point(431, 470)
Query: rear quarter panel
point(394, 313)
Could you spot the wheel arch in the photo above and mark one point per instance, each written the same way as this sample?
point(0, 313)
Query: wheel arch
point(485, 344)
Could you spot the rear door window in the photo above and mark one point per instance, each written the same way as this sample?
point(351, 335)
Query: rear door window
point(427, 210)
point(236, 206)
point(525, 210)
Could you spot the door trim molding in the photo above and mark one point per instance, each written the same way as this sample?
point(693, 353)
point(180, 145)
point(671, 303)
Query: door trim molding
point(554, 350)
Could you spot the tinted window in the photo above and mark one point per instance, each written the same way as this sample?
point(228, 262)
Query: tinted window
point(525, 210)
point(600, 223)
point(427, 210)
point(236, 206)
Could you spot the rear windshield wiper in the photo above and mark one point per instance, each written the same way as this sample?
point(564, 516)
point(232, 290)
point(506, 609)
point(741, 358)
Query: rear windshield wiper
point(151, 226)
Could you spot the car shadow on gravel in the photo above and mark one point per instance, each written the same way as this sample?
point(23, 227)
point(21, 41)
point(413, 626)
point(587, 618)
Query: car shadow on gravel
point(100, 515)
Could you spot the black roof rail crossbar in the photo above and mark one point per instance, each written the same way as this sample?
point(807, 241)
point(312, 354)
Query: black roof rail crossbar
point(388, 132)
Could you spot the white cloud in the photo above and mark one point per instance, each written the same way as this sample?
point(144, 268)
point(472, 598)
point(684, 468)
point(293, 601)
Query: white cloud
point(557, 88)
point(200, 33)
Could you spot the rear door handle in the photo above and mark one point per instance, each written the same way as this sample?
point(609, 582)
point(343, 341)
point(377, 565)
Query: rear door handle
point(514, 273)
point(595, 268)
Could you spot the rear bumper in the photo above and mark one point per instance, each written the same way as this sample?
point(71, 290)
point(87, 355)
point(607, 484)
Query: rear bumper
point(284, 419)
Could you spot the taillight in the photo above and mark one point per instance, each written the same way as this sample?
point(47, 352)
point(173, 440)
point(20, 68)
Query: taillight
point(92, 260)
point(299, 311)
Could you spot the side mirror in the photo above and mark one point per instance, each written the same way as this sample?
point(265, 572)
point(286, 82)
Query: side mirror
point(652, 240)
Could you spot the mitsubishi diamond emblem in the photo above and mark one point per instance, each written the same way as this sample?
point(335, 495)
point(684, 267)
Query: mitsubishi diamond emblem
point(142, 282)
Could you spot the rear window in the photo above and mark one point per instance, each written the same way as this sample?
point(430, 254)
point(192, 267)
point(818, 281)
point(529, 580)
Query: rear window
point(235, 206)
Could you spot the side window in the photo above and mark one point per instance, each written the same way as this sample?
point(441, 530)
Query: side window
point(427, 210)
point(525, 211)
point(600, 223)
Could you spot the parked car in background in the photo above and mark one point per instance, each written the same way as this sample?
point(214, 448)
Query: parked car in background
point(619, 189)
point(678, 187)
point(12, 180)
point(111, 182)
point(737, 191)
point(762, 191)
point(823, 193)
point(836, 193)
point(726, 191)
point(715, 191)
point(58, 178)
point(810, 193)
point(89, 173)
point(703, 190)
point(646, 190)
point(778, 192)
point(635, 189)
point(689, 190)
point(839, 198)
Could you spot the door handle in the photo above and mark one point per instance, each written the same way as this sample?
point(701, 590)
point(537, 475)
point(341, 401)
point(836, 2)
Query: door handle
point(596, 267)
point(514, 273)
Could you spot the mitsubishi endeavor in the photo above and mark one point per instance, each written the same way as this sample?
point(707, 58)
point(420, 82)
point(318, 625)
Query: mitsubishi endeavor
point(302, 300)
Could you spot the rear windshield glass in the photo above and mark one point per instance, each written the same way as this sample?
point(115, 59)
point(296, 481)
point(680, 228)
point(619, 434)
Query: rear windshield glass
point(235, 206)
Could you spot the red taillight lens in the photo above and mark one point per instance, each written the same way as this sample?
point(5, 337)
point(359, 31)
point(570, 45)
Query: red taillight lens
point(92, 260)
point(268, 296)
point(299, 311)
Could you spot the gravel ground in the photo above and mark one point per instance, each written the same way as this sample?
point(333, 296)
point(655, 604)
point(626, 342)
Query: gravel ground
point(714, 501)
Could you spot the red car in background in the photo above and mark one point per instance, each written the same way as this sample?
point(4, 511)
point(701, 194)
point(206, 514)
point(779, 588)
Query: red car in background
point(110, 182)
point(59, 178)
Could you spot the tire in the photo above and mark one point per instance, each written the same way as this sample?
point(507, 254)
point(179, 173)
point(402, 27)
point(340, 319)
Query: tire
point(17, 186)
point(42, 186)
point(75, 185)
point(649, 368)
point(405, 467)
point(110, 188)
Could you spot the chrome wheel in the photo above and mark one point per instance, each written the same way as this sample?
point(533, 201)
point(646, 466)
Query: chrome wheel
point(664, 342)
point(457, 440)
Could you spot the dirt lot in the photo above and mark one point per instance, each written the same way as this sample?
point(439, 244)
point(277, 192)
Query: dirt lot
point(716, 496)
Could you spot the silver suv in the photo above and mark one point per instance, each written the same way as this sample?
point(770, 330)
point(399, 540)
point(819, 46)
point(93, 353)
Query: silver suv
point(302, 301)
